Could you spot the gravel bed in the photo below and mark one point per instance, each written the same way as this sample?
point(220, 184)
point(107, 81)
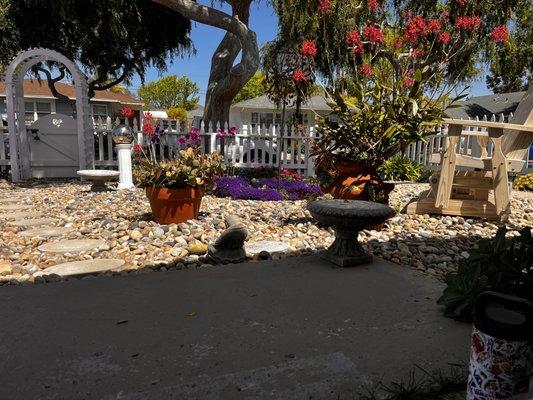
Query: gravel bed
point(434, 244)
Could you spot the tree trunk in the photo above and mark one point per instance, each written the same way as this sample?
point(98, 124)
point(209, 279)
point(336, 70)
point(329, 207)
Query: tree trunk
point(225, 80)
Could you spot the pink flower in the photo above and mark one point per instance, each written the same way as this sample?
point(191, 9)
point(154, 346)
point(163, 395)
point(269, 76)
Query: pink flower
point(373, 5)
point(299, 76)
point(194, 135)
point(182, 140)
point(233, 130)
point(365, 69)
point(500, 34)
point(444, 37)
point(468, 23)
point(409, 81)
point(353, 38)
point(309, 48)
point(325, 6)
point(374, 34)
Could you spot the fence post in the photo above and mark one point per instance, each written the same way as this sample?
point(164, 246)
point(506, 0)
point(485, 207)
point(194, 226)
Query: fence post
point(310, 158)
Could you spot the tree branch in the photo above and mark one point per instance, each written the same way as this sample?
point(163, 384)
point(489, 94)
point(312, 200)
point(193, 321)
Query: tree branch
point(52, 81)
point(98, 84)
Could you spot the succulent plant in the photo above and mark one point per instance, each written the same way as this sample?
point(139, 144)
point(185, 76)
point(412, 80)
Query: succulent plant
point(524, 182)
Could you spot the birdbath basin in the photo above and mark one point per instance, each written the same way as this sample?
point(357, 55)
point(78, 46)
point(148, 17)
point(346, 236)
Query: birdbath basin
point(99, 177)
point(348, 218)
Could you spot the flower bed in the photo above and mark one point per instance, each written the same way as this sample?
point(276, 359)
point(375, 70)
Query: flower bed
point(272, 189)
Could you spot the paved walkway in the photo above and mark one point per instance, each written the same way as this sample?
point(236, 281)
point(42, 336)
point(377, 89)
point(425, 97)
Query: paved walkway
point(286, 329)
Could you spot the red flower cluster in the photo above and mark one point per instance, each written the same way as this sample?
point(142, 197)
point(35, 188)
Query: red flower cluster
point(137, 148)
point(309, 48)
point(374, 34)
point(444, 37)
point(126, 112)
point(373, 5)
point(500, 34)
point(434, 25)
point(325, 6)
point(416, 53)
point(353, 38)
point(416, 28)
point(299, 76)
point(462, 2)
point(409, 81)
point(468, 23)
point(365, 69)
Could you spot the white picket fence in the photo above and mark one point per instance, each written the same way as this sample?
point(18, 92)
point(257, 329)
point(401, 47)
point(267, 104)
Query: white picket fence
point(252, 147)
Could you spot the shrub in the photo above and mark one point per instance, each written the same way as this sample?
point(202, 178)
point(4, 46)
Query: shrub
point(177, 113)
point(524, 182)
point(502, 264)
point(272, 189)
point(256, 173)
point(400, 168)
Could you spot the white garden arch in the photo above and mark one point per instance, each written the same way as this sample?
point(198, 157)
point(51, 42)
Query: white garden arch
point(18, 137)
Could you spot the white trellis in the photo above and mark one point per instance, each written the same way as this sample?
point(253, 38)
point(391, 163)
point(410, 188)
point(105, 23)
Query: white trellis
point(18, 137)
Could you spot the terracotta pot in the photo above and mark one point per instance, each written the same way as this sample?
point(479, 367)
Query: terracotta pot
point(354, 180)
point(172, 206)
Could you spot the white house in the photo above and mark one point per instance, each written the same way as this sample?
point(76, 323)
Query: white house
point(262, 111)
point(39, 101)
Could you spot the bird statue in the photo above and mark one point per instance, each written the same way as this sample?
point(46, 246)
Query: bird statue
point(229, 247)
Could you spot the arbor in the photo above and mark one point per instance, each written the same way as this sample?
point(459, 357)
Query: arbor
point(111, 39)
point(170, 92)
point(511, 66)
point(226, 79)
point(254, 87)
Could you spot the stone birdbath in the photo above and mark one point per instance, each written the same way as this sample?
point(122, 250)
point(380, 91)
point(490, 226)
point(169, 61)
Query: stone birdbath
point(348, 218)
point(99, 177)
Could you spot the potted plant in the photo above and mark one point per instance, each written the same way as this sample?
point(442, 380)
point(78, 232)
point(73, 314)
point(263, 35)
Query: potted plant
point(175, 187)
point(390, 70)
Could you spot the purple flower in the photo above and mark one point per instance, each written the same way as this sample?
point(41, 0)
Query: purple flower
point(264, 190)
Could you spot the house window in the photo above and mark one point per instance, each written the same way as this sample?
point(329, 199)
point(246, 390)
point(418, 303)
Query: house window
point(35, 109)
point(265, 119)
point(99, 110)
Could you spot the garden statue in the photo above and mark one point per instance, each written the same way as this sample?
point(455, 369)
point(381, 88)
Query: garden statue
point(229, 247)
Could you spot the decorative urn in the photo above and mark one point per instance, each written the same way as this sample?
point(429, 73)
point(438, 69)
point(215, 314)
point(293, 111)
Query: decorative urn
point(122, 134)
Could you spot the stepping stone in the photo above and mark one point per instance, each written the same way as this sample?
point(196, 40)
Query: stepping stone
point(33, 222)
point(46, 232)
point(11, 200)
point(21, 215)
point(266, 245)
point(72, 246)
point(84, 267)
point(16, 207)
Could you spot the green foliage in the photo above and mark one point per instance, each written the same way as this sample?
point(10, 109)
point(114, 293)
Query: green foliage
point(502, 264)
point(255, 87)
point(177, 113)
point(376, 124)
point(169, 92)
point(107, 38)
point(511, 66)
point(190, 170)
point(399, 168)
point(524, 182)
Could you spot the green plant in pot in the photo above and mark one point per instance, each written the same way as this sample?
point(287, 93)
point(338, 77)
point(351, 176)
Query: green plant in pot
point(175, 187)
point(390, 71)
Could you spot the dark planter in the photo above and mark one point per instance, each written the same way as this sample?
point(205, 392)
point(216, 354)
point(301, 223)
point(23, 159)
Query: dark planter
point(172, 206)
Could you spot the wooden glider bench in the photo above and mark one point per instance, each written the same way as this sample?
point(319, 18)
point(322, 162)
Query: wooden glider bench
point(483, 191)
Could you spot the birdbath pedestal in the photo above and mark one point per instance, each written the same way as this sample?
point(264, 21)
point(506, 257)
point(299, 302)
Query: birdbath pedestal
point(99, 177)
point(348, 218)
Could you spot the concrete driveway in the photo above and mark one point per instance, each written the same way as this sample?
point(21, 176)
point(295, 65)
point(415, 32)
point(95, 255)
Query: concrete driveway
point(289, 329)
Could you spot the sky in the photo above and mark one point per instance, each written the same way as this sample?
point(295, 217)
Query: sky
point(264, 22)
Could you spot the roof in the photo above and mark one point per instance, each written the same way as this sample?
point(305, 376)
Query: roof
point(198, 111)
point(36, 89)
point(315, 103)
point(480, 106)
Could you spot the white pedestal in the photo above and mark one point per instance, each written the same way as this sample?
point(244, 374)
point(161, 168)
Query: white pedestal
point(124, 166)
